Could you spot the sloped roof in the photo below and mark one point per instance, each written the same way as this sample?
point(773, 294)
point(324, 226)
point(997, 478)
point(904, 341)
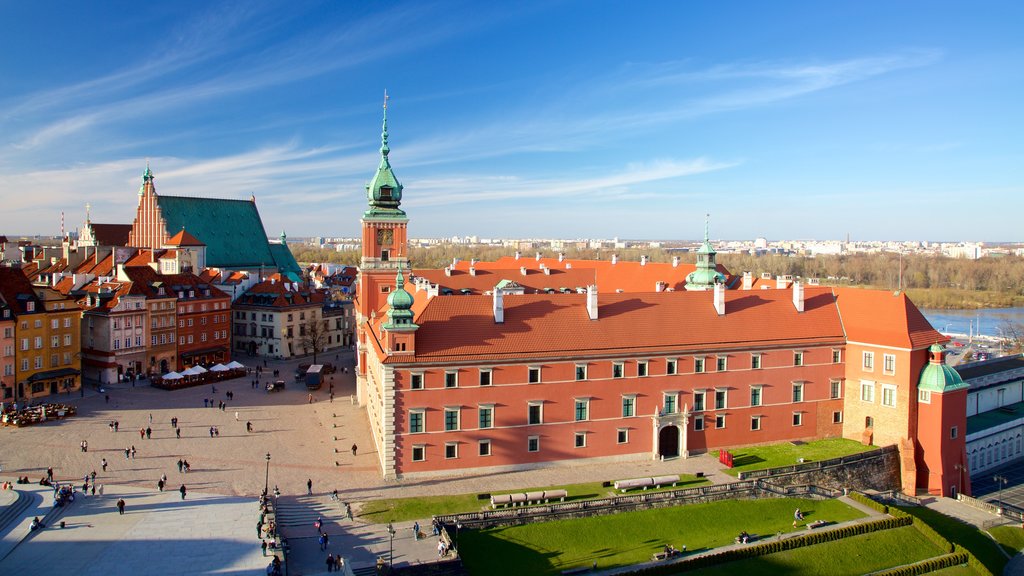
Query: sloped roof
point(231, 229)
point(486, 280)
point(16, 290)
point(183, 238)
point(462, 328)
point(284, 260)
point(110, 234)
point(276, 292)
point(884, 318)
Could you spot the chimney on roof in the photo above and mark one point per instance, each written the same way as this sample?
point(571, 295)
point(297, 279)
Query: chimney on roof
point(659, 286)
point(499, 306)
point(720, 299)
point(522, 270)
point(780, 282)
point(537, 257)
point(798, 296)
point(561, 256)
point(748, 280)
point(455, 262)
point(546, 270)
point(432, 290)
point(675, 261)
point(447, 270)
point(643, 260)
point(615, 258)
point(592, 301)
point(518, 254)
point(568, 265)
point(472, 261)
point(472, 271)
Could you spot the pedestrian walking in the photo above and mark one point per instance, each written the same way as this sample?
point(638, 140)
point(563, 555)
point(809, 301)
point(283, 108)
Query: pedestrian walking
point(49, 474)
point(183, 491)
point(309, 486)
point(188, 467)
point(117, 425)
point(127, 453)
point(101, 489)
point(120, 506)
point(354, 449)
point(111, 425)
point(142, 433)
point(416, 531)
point(150, 417)
point(216, 431)
point(93, 475)
point(348, 511)
point(177, 432)
point(106, 398)
point(323, 541)
point(248, 426)
point(236, 416)
point(310, 398)
point(332, 397)
point(133, 452)
point(330, 563)
point(93, 487)
point(85, 445)
point(160, 484)
point(149, 432)
point(211, 431)
point(103, 464)
point(327, 540)
point(205, 402)
point(264, 546)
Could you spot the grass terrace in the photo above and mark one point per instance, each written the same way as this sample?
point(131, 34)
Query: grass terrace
point(403, 509)
point(849, 556)
point(789, 453)
point(1010, 537)
point(632, 537)
point(963, 534)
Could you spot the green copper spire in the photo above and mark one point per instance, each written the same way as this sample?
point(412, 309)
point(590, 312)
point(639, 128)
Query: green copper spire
point(706, 275)
point(938, 376)
point(283, 237)
point(384, 192)
point(147, 179)
point(400, 314)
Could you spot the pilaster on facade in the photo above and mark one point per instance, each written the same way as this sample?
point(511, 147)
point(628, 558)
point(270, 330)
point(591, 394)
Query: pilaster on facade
point(660, 421)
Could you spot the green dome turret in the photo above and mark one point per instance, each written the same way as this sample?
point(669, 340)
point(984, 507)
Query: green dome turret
point(706, 275)
point(400, 314)
point(938, 376)
point(384, 192)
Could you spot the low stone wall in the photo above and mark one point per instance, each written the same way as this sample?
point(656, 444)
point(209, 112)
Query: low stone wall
point(875, 470)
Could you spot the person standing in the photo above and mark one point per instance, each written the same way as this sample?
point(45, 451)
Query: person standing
point(103, 464)
point(49, 474)
point(160, 484)
point(142, 433)
point(177, 432)
point(264, 546)
point(149, 432)
point(354, 449)
point(330, 563)
point(120, 506)
point(133, 452)
point(248, 426)
point(181, 466)
point(309, 486)
point(183, 491)
point(236, 416)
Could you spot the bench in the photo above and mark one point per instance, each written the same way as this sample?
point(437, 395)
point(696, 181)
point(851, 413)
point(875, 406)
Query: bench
point(817, 524)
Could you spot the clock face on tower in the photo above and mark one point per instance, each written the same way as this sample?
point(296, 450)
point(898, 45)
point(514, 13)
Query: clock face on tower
point(384, 237)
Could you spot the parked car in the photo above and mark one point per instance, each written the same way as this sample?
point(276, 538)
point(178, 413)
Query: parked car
point(275, 386)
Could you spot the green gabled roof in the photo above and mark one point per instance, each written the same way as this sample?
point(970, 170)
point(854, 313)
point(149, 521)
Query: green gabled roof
point(284, 260)
point(231, 229)
point(938, 377)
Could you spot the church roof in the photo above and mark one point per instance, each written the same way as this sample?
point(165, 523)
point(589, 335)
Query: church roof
point(232, 229)
point(285, 261)
point(110, 234)
point(183, 238)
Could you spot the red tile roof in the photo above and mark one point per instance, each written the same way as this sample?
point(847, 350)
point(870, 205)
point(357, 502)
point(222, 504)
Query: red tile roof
point(183, 238)
point(462, 328)
point(486, 279)
point(884, 318)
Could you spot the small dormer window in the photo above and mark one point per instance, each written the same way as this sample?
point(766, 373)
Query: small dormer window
point(385, 193)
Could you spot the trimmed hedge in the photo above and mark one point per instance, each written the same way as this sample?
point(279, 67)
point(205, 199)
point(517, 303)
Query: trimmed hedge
point(925, 529)
point(926, 566)
point(974, 563)
point(862, 499)
point(764, 548)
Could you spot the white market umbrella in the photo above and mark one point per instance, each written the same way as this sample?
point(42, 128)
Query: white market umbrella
point(197, 369)
point(234, 364)
point(172, 376)
point(219, 368)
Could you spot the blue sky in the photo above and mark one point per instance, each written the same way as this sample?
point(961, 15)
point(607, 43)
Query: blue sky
point(884, 120)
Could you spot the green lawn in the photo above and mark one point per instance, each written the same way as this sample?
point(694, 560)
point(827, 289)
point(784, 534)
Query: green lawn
point(849, 556)
point(403, 509)
point(963, 534)
point(632, 537)
point(1010, 537)
point(787, 454)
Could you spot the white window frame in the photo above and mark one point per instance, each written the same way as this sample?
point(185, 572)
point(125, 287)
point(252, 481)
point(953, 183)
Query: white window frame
point(479, 410)
point(725, 399)
point(529, 370)
point(699, 365)
point(423, 420)
point(642, 369)
point(837, 355)
point(721, 364)
point(924, 396)
point(455, 378)
point(798, 390)
point(758, 360)
point(422, 449)
point(453, 445)
point(755, 423)
point(620, 368)
point(576, 409)
point(867, 361)
point(837, 416)
point(631, 398)
point(698, 423)
point(675, 402)
point(835, 384)
point(577, 436)
point(413, 377)
point(622, 436)
point(671, 367)
point(890, 391)
point(798, 419)
point(759, 388)
point(535, 440)
point(702, 394)
point(458, 418)
point(798, 358)
point(490, 376)
point(480, 450)
point(720, 421)
point(867, 391)
point(576, 372)
point(887, 361)
point(540, 411)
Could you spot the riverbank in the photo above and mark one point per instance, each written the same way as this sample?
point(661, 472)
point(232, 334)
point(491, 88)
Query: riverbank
point(953, 299)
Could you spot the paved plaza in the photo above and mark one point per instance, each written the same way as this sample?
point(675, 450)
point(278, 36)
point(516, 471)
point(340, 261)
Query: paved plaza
point(214, 529)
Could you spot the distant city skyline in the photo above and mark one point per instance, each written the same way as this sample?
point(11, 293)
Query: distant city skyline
point(552, 120)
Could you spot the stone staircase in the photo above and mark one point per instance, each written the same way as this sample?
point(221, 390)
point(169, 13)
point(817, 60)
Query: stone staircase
point(296, 511)
point(17, 502)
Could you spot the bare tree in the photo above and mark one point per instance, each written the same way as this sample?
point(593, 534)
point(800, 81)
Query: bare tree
point(1012, 337)
point(313, 336)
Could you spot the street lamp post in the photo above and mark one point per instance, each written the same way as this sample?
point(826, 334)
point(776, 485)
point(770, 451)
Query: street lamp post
point(1001, 482)
point(391, 547)
point(266, 482)
point(960, 468)
point(458, 527)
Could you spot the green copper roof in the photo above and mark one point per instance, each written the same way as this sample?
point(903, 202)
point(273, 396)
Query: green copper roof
point(706, 275)
point(384, 192)
point(939, 377)
point(231, 229)
point(285, 261)
point(400, 302)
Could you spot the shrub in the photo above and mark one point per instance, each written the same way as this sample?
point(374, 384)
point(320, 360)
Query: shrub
point(862, 499)
point(926, 566)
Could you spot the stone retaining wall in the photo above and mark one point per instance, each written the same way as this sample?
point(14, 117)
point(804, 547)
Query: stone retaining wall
point(876, 470)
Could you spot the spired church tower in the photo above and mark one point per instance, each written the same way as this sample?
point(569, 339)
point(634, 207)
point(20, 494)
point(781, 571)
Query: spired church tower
point(706, 276)
point(385, 250)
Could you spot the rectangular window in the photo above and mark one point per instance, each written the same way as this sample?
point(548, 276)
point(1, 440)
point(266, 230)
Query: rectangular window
point(484, 448)
point(451, 419)
point(924, 396)
point(486, 416)
point(451, 379)
point(581, 371)
point(720, 421)
point(837, 417)
point(485, 377)
point(535, 413)
point(698, 423)
point(698, 365)
point(670, 367)
point(837, 355)
point(835, 389)
point(581, 440)
point(755, 422)
point(869, 361)
point(533, 377)
point(798, 358)
point(721, 399)
point(38, 342)
point(755, 395)
point(416, 381)
point(416, 421)
point(451, 450)
point(38, 362)
point(798, 392)
point(419, 453)
point(721, 364)
point(54, 341)
point(755, 361)
point(618, 370)
point(888, 395)
point(533, 443)
point(582, 410)
point(889, 363)
point(867, 391)
point(798, 418)
point(953, 433)
point(628, 406)
point(622, 436)
point(671, 403)
point(641, 368)
point(698, 400)
point(67, 322)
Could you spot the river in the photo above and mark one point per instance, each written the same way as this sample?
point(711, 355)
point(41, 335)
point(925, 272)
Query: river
point(987, 322)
